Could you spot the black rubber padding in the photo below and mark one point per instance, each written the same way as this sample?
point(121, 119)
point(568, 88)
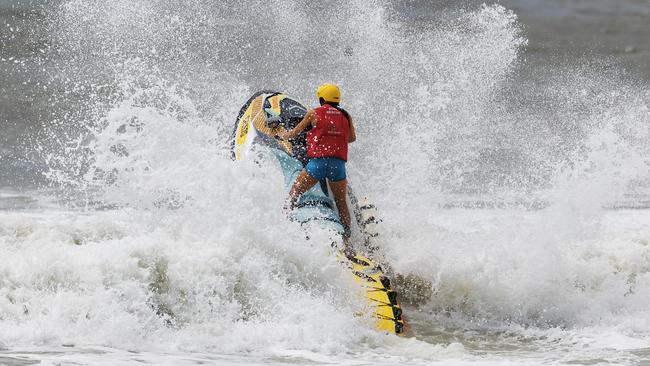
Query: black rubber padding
point(359, 261)
point(385, 282)
point(392, 297)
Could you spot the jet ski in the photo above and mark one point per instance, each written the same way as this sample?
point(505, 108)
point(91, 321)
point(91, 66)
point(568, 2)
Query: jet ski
point(260, 123)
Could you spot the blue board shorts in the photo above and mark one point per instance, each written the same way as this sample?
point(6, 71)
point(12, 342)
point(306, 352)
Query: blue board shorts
point(330, 168)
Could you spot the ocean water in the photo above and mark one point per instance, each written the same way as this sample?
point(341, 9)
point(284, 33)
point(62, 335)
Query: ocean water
point(505, 146)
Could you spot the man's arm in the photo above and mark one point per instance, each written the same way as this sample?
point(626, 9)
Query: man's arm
point(353, 134)
point(310, 118)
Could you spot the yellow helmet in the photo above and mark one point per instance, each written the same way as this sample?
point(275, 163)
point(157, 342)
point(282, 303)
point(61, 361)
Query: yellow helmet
point(329, 93)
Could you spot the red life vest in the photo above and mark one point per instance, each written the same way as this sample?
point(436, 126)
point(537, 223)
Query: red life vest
point(329, 138)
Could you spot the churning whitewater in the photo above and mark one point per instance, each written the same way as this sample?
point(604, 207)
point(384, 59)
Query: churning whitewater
point(520, 193)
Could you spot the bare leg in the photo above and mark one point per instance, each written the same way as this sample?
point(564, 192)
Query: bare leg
point(340, 193)
point(302, 184)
